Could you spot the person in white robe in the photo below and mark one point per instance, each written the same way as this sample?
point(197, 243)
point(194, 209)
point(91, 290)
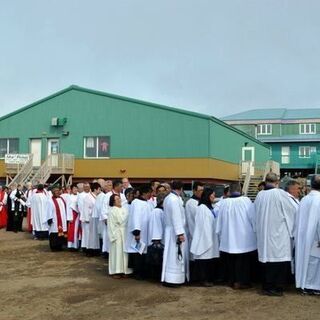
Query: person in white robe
point(56, 219)
point(307, 241)
point(205, 243)
point(156, 222)
point(153, 198)
point(274, 219)
point(137, 233)
point(175, 266)
point(117, 232)
point(74, 228)
point(38, 203)
point(191, 209)
point(92, 244)
point(84, 189)
point(156, 239)
point(237, 238)
point(103, 216)
point(293, 188)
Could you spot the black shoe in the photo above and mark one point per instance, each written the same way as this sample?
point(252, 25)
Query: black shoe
point(170, 285)
point(272, 293)
point(206, 284)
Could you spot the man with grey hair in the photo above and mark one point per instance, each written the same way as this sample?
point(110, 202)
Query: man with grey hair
point(307, 241)
point(293, 188)
point(274, 218)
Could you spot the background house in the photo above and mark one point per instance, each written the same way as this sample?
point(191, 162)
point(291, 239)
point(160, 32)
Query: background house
point(293, 135)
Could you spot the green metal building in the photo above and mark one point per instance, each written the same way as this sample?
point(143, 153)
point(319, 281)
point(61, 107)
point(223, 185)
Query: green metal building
point(105, 135)
point(293, 135)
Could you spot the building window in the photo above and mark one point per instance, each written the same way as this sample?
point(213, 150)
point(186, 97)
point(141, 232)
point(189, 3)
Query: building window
point(285, 155)
point(306, 151)
point(8, 146)
point(264, 129)
point(97, 147)
point(307, 128)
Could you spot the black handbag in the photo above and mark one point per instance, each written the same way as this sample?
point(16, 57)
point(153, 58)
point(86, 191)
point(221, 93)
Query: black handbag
point(155, 254)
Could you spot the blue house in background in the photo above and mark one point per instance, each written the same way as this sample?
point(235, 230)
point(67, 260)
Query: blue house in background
point(293, 135)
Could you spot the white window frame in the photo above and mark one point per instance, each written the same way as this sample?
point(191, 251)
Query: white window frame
point(264, 129)
point(97, 149)
point(303, 154)
point(307, 128)
point(8, 145)
point(285, 157)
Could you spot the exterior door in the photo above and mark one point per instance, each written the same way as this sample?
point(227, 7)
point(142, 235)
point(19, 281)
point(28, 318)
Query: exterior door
point(248, 160)
point(53, 150)
point(35, 149)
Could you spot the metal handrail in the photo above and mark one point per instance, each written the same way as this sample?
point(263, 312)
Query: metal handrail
point(24, 172)
point(246, 182)
point(55, 163)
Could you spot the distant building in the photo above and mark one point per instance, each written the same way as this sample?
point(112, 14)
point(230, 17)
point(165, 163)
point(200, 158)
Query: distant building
point(293, 135)
point(85, 134)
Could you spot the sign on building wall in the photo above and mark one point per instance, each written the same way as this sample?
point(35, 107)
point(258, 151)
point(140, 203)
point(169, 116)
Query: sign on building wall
point(16, 158)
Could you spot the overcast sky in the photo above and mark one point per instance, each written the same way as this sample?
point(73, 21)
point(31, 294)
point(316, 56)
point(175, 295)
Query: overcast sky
point(214, 57)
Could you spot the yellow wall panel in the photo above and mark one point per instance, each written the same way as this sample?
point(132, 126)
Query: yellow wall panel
point(157, 168)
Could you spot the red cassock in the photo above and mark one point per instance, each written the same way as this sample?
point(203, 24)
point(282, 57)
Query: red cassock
point(3, 211)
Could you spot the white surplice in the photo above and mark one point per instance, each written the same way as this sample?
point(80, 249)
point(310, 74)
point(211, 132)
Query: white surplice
point(39, 206)
point(117, 232)
point(156, 226)
point(140, 211)
point(85, 217)
point(73, 208)
point(307, 237)
point(205, 242)
point(52, 214)
point(235, 225)
point(103, 217)
point(274, 217)
point(175, 269)
point(191, 210)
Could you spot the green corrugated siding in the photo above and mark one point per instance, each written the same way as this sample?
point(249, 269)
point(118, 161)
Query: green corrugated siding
point(290, 129)
point(247, 128)
point(227, 144)
point(136, 130)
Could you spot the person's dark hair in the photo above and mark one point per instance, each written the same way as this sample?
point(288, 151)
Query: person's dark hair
point(271, 177)
point(95, 186)
point(290, 183)
point(197, 184)
point(116, 183)
point(315, 182)
point(235, 187)
point(74, 185)
point(128, 190)
point(262, 184)
point(160, 199)
point(176, 185)
point(55, 186)
point(207, 192)
point(40, 186)
point(152, 182)
point(113, 199)
point(145, 188)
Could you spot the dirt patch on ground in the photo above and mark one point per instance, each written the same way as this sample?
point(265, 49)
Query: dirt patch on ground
point(38, 284)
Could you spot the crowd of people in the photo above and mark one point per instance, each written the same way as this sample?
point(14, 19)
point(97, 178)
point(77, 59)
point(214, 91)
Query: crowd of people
point(154, 232)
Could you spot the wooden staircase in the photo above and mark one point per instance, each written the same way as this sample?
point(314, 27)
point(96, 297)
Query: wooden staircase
point(255, 173)
point(59, 165)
